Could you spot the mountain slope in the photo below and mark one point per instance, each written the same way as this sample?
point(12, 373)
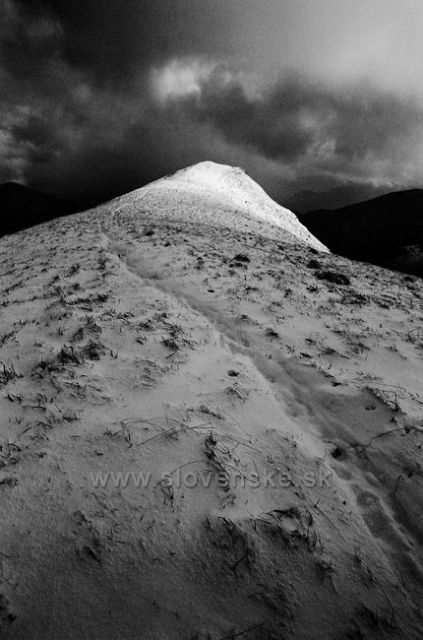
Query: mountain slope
point(268, 394)
point(378, 230)
point(219, 195)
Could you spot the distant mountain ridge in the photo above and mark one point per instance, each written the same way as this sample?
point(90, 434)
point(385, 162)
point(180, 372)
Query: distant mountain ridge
point(22, 207)
point(387, 230)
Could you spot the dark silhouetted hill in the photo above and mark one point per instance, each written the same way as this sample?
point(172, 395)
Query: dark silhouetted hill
point(347, 195)
point(21, 207)
point(387, 230)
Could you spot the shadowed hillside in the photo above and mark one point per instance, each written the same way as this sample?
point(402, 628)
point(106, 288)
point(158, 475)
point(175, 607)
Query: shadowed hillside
point(387, 230)
point(21, 207)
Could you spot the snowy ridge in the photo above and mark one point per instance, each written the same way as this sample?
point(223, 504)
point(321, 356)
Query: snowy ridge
point(221, 195)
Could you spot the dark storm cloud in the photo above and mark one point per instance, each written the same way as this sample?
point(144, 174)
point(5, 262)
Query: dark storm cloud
point(100, 96)
point(270, 124)
point(100, 167)
point(297, 119)
point(115, 41)
point(75, 112)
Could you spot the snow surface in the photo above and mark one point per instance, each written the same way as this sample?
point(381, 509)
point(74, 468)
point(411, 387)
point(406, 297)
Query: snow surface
point(221, 195)
point(140, 337)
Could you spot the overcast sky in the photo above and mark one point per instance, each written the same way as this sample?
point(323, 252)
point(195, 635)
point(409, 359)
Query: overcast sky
point(100, 96)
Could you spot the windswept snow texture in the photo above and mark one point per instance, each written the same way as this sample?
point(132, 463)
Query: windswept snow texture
point(279, 389)
point(220, 195)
